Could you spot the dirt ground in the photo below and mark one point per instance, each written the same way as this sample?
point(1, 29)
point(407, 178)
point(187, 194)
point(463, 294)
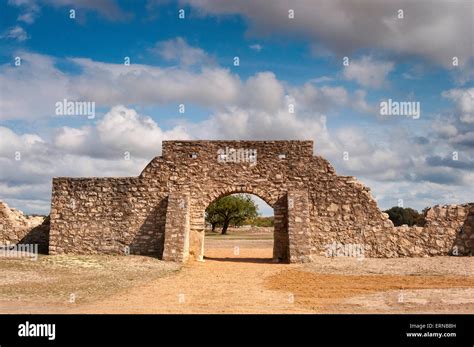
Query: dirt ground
point(238, 276)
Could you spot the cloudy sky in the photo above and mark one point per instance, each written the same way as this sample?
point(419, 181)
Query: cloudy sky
point(335, 61)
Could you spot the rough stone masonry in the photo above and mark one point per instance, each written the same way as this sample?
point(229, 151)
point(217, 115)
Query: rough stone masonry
point(16, 228)
point(161, 212)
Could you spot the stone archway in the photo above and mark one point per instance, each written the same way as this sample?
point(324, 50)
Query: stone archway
point(161, 211)
point(186, 239)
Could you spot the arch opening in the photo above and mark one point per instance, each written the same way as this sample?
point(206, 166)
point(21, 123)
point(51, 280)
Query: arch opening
point(258, 237)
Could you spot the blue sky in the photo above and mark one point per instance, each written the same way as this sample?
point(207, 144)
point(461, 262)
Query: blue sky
point(282, 60)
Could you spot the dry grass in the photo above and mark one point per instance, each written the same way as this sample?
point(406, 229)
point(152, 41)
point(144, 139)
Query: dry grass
point(52, 279)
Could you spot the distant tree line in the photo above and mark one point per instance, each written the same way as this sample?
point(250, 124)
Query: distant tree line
point(260, 221)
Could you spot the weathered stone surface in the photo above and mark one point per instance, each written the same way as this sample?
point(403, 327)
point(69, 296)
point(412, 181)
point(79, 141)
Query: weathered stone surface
point(17, 228)
point(313, 206)
point(177, 228)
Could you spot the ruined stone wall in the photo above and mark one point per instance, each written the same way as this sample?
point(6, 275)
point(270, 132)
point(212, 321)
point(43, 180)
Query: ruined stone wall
point(17, 228)
point(313, 206)
point(449, 230)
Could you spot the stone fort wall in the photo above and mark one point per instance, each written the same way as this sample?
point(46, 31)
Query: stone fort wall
point(161, 212)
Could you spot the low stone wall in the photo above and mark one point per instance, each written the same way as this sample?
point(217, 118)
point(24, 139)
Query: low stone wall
point(16, 228)
point(449, 230)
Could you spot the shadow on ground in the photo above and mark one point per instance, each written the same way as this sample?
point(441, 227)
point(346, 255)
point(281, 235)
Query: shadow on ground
point(243, 260)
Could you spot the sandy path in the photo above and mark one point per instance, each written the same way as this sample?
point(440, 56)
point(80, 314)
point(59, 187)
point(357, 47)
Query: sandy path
point(223, 283)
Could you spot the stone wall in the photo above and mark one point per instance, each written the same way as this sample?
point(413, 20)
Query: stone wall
point(449, 230)
point(313, 206)
point(107, 215)
point(16, 228)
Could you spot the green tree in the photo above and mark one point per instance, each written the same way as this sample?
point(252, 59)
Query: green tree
point(231, 209)
point(409, 216)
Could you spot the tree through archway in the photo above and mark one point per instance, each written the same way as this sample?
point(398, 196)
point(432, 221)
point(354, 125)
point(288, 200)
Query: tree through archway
point(239, 227)
point(235, 209)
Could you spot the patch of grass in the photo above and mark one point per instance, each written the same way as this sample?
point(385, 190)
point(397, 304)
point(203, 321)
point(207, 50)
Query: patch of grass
point(52, 279)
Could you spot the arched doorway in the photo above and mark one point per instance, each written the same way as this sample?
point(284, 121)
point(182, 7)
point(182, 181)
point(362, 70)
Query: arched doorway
point(197, 224)
point(239, 228)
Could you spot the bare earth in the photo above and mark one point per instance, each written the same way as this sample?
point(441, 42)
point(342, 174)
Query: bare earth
point(238, 276)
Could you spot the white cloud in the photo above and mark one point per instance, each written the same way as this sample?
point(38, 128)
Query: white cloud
point(238, 123)
point(457, 129)
point(106, 8)
point(444, 129)
point(15, 33)
point(124, 129)
point(32, 90)
point(464, 101)
point(121, 130)
point(465, 139)
point(419, 195)
point(27, 17)
point(368, 72)
point(256, 47)
point(179, 50)
point(30, 10)
point(77, 152)
point(360, 103)
point(323, 98)
point(153, 85)
point(347, 26)
point(262, 91)
point(72, 139)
